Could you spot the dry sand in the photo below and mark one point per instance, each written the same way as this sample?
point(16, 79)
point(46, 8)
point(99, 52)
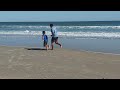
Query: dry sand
point(28, 63)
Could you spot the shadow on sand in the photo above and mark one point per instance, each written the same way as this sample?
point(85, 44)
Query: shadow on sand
point(36, 49)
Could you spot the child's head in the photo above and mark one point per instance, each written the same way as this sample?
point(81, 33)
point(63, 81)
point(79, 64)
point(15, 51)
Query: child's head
point(43, 32)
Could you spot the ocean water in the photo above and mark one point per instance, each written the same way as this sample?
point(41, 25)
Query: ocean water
point(98, 36)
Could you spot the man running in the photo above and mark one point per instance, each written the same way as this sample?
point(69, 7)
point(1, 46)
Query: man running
point(54, 36)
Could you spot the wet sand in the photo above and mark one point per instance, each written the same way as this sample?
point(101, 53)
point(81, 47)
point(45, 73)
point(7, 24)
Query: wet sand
point(37, 63)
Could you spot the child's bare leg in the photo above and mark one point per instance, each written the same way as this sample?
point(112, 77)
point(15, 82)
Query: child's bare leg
point(46, 47)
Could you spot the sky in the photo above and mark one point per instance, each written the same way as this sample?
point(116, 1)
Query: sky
point(41, 16)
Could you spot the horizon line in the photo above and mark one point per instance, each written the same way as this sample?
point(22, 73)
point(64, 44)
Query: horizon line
point(60, 21)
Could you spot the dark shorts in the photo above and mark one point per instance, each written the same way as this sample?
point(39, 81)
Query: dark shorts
point(45, 43)
point(54, 39)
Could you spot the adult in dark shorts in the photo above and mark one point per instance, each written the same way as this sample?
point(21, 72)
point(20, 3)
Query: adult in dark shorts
point(54, 36)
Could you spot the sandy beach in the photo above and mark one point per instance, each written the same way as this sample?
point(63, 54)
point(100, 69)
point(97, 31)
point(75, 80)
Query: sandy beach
point(36, 63)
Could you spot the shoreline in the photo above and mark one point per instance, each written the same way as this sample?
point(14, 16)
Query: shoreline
point(95, 45)
point(81, 50)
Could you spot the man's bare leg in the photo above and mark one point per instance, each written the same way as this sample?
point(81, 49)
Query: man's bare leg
point(52, 45)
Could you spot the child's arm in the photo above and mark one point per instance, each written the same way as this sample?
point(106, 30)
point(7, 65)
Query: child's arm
point(42, 37)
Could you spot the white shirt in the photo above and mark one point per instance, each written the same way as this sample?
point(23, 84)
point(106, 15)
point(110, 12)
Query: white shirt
point(54, 32)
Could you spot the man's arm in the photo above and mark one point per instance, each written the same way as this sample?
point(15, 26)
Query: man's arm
point(52, 32)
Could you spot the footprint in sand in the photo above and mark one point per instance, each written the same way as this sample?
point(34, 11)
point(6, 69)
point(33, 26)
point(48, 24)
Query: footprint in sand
point(11, 50)
point(10, 60)
point(84, 66)
point(21, 57)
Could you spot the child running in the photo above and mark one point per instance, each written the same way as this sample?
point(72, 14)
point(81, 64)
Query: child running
point(45, 39)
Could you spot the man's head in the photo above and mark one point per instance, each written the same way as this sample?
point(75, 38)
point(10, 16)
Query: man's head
point(51, 25)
